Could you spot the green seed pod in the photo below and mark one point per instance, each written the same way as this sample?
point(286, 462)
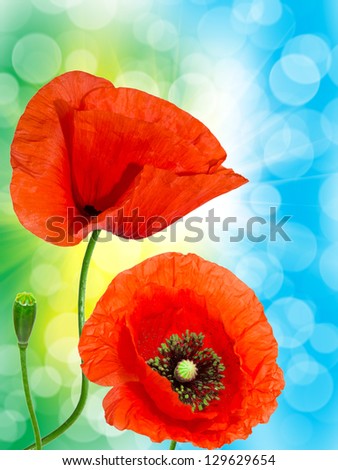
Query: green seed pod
point(24, 312)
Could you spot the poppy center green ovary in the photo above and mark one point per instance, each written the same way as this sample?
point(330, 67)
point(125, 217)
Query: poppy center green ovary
point(195, 373)
point(185, 371)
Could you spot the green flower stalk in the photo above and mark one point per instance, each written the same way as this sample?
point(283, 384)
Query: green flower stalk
point(24, 313)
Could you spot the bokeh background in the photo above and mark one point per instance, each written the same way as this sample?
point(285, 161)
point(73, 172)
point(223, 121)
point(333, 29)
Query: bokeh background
point(263, 75)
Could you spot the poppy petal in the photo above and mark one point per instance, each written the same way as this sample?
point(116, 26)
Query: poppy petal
point(155, 213)
point(83, 149)
point(160, 297)
point(41, 187)
point(175, 122)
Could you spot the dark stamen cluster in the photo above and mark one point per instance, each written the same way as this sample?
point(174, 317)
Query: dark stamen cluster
point(205, 387)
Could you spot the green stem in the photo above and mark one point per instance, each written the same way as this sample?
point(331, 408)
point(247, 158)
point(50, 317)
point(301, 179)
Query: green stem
point(172, 445)
point(81, 320)
point(23, 360)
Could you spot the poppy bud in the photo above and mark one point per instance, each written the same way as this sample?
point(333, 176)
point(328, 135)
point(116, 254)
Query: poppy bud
point(24, 312)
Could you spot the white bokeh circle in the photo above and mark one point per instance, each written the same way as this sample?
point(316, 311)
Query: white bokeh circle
point(81, 59)
point(263, 196)
point(292, 320)
point(36, 58)
point(9, 89)
point(333, 72)
point(297, 253)
point(45, 381)
point(312, 47)
point(45, 279)
point(14, 14)
point(328, 196)
point(314, 392)
point(273, 36)
point(92, 15)
point(328, 266)
point(330, 121)
point(288, 153)
point(288, 85)
point(162, 35)
point(217, 34)
point(12, 426)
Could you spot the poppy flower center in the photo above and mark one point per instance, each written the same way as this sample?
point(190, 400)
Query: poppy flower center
point(195, 373)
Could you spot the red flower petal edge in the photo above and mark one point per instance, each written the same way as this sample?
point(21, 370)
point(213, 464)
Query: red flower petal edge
point(87, 155)
point(166, 302)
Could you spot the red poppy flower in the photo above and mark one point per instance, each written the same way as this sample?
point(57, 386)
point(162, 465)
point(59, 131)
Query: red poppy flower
point(188, 350)
point(87, 155)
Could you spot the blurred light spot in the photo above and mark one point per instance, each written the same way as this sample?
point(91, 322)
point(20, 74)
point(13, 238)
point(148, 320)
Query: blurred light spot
point(92, 15)
point(12, 425)
point(310, 397)
point(162, 35)
point(292, 320)
point(333, 72)
point(195, 62)
point(252, 271)
point(9, 88)
point(138, 80)
point(45, 381)
point(66, 3)
point(266, 12)
point(217, 35)
point(36, 58)
point(303, 369)
point(195, 93)
point(297, 254)
point(14, 14)
point(330, 121)
point(328, 196)
point(286, 89)
point(81, 59)
point(243, 19)
point(310, 122)
point(9, 360)
point(59, 326)
point(288, 153)
point(50, 7)
point(129, 10)
point(7, 44)
point(81, 432)
point(325, 338)
point(260, 12)
point(313, 47)
point(274, 36)
point(45, 279)
point(261, 272)
point(328, 266)
point(142, 25)
point(15, 400)
point(63, 349)
point(300, 69)
point(263, 196)
point(9, 114)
